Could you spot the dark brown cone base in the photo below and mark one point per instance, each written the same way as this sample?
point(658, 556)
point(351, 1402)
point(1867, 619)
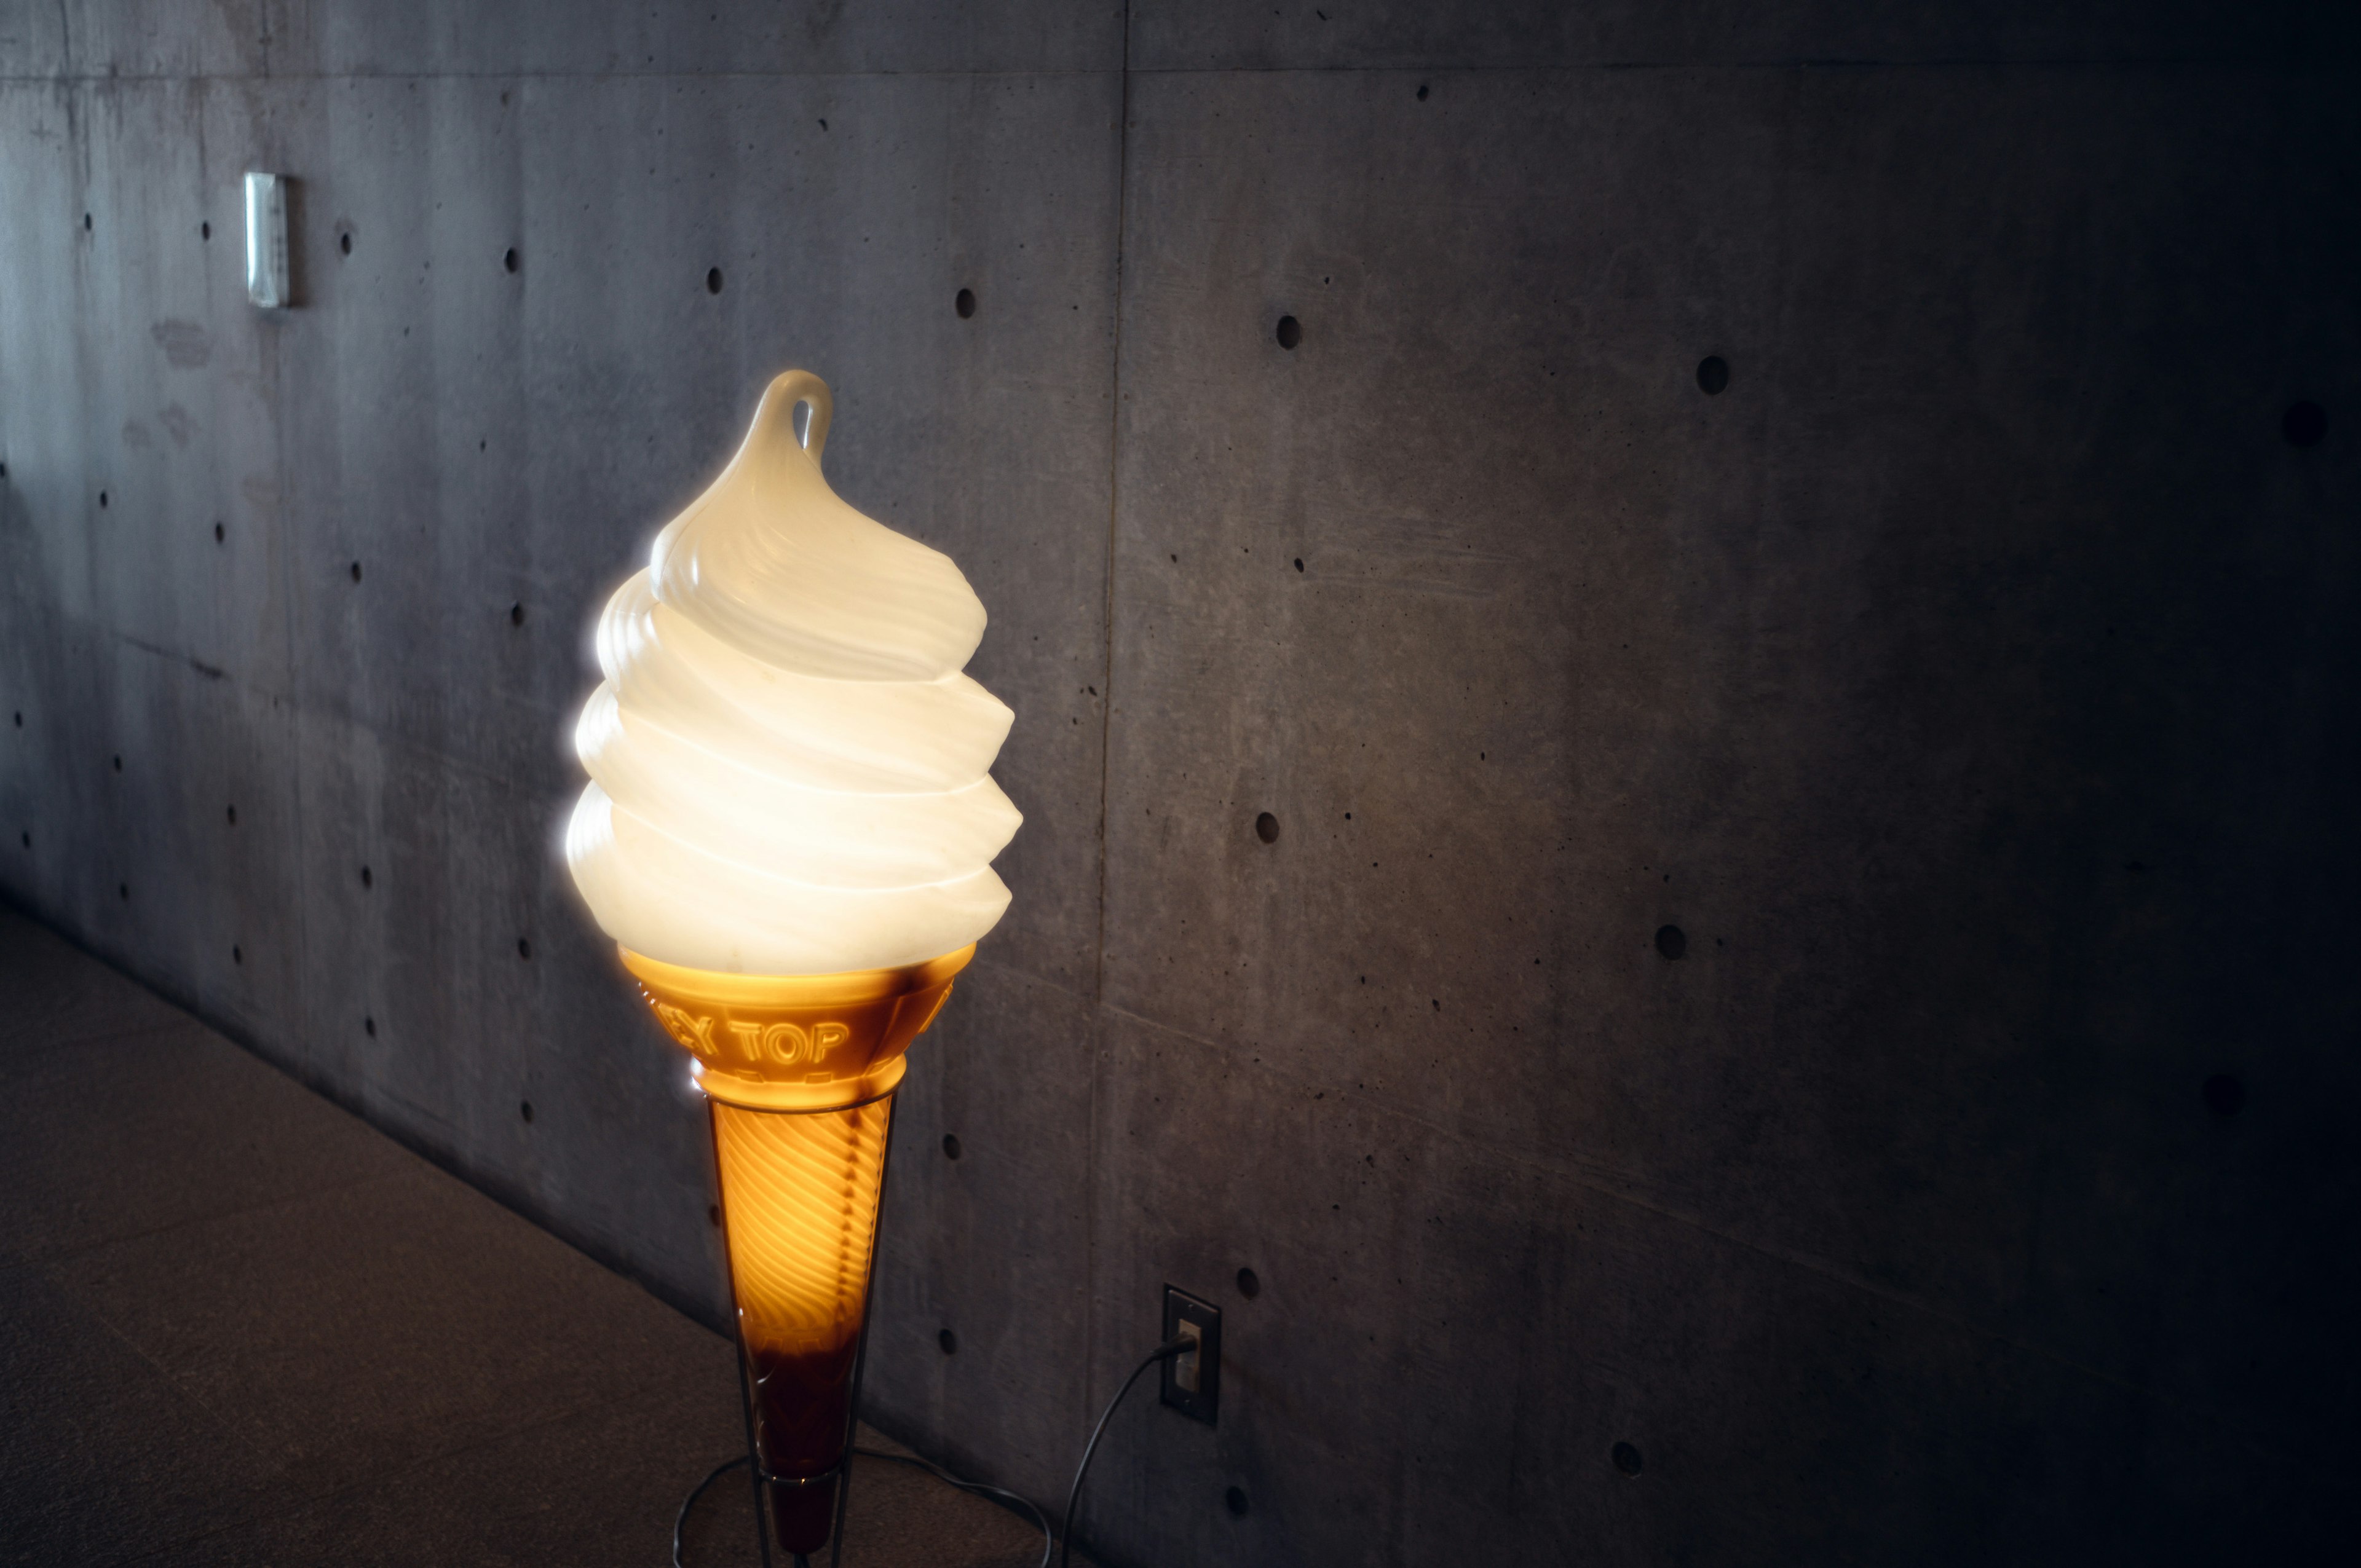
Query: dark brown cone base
point(799, 1429)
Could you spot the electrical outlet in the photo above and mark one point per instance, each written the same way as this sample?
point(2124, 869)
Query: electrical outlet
point(1192, 1380)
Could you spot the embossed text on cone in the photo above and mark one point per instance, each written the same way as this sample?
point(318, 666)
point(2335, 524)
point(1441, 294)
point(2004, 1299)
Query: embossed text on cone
point(801, 1070)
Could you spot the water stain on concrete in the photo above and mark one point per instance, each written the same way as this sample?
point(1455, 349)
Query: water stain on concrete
point(187, 345)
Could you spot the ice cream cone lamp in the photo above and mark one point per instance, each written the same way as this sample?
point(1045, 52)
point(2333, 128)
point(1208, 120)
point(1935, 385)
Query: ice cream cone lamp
point(788, 832)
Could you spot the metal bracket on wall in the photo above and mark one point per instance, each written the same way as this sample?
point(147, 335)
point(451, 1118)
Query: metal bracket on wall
point(267, 282)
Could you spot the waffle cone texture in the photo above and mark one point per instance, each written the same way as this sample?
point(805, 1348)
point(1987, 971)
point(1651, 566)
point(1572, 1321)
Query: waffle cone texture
point(801, 1072)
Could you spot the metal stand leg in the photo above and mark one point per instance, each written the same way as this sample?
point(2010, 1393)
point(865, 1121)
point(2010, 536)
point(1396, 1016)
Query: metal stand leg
point(755, 1472)
point(754, 1459)
point(745, 1367)
point(861, 1348)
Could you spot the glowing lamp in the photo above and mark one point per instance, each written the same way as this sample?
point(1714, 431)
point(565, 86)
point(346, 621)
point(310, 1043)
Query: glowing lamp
point(789, 831)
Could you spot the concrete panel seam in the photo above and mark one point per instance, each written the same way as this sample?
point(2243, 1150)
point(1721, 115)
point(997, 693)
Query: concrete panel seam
point(335, 78)
point(1106, 676)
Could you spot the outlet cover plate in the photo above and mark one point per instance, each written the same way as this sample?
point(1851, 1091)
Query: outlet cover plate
point(1193, 1383)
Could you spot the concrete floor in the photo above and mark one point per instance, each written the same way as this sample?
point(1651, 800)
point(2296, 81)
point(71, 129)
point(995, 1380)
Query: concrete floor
point(238, 1325)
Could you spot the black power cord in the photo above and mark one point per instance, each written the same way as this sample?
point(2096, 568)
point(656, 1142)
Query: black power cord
point(1062, 1542)
point(940, 1473)
point(1161, 1353)
point(681, 1518)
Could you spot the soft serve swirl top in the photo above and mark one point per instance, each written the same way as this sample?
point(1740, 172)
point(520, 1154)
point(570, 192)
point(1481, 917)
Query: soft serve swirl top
point(789, 774)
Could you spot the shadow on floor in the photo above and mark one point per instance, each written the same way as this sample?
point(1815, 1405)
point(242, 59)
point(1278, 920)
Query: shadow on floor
point(239, 1326)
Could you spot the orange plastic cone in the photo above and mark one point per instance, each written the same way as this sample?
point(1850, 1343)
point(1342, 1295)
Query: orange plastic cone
point(801, 1072)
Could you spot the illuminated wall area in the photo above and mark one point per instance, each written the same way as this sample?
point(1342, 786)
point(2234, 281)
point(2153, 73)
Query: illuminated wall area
point(1685, 687)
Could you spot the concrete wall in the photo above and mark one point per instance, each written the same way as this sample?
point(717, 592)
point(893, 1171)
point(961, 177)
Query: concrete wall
point(1971, 684)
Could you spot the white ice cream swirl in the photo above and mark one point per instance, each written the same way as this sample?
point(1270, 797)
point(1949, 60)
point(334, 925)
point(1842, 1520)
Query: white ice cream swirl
point(789, 774)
